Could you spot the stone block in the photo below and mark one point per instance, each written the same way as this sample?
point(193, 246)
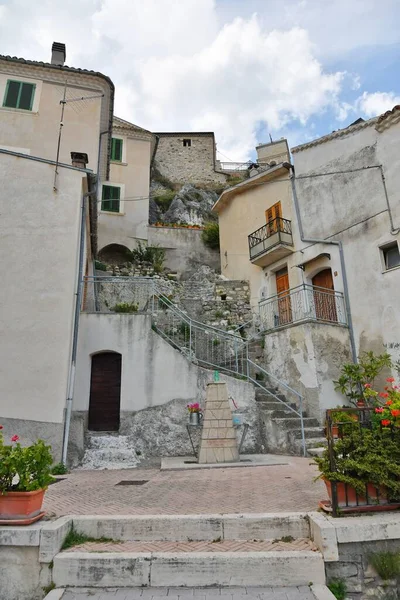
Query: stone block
point(20, 536)
point(323, 533)
point(52, 538)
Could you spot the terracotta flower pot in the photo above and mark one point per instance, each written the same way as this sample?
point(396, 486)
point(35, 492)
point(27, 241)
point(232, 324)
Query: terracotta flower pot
point(352, 499)
point(15, 506)
point(335, 431)
point(360, 403)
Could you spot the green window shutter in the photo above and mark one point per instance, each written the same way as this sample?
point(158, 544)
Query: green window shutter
point(116, 149)
point(19, 95)
point(110, 198)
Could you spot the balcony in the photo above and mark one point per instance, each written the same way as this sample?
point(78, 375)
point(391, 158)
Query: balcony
point(303, 303)
point(271, 242)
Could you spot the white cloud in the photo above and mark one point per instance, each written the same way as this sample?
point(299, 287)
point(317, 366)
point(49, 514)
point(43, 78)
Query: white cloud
point(373, 104)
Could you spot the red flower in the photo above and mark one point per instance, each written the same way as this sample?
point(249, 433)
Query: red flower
point(395, 412)
point(389, 402)
point(384, 395)
point(14, 438)
point(385, 422)
point(1, 426)
point(379, 410)
point(367, 385)
point(390, 379)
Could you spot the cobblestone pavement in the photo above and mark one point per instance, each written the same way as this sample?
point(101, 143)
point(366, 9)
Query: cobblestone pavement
point(300, 544)
point(276, 488)
point(261, 593)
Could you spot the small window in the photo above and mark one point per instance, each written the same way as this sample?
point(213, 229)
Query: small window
point(19, 95)
point(391, 256)
point(110, 198)
point(116, 149)
point(187, 142)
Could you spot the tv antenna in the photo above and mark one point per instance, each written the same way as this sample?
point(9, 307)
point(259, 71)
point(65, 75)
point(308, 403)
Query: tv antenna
point(63, 103)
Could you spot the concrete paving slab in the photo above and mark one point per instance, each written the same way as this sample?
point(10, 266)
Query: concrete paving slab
point(187, 463)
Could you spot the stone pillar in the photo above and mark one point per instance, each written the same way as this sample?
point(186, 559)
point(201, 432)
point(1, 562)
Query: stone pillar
point(218, 439)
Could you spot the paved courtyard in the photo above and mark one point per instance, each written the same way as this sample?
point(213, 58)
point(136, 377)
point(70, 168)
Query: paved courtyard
point(270, 593)
point(275, 488)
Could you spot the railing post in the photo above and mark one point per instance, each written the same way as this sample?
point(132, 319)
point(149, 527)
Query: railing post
point(236, 357)
point(247, 362)
point(190, 339)
point(303, 437)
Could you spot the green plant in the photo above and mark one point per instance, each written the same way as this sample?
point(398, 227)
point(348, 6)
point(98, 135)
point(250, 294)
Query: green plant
point(151, 254)
point(74, 538)
point(125, 307)
point(286, 539)
point(219, 314)
point(364, 456)
point(47, 588)
point(161, 179)
point(354, 377)
point(341, 416)
point(387, 414)
point(234, 180)
point(100, 266)
point(386, 564)
point(338, 588)
point(210, 235)
point(164, 199)
point(59, 469)
point(184, 329)
point(24, 469)
point(216, 342)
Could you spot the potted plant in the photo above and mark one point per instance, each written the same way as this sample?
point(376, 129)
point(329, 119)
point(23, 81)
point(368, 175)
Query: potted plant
point(24, 477)
point(195, 413)
point(354, 377)
point(338, 418)
point(364, 462)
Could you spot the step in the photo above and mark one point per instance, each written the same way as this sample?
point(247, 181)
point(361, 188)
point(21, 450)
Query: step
point(315, 451)
point(294, 422)
point(96, 440)
point(109, 458)
point(310, 432)
point(214, 568)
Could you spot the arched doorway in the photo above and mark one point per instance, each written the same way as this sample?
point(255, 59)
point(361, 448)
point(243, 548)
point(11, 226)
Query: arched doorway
point(115, 254)
point(324, 296)
point(105, 392)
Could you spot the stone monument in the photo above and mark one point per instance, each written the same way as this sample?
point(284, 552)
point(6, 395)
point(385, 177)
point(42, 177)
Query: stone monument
point(218, 439)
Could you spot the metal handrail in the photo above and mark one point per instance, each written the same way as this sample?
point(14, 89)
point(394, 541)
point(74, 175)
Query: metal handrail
point(303, 286)
point(277, 225)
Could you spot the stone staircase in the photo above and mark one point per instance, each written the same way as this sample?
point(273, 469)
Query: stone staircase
point(108, 451)
point(190, 551)
point(281, 427)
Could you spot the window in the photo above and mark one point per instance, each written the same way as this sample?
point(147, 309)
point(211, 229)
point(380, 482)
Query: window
point(110, 198)
point(19, 95)
point(391, 256)
point(187, 142)
point(116, 149)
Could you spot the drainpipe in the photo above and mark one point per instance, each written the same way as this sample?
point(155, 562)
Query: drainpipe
point(342, 264)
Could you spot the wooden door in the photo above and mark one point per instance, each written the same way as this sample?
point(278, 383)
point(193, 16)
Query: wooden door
point(282, 288)
point(105, 392)
point(324, 299)
point(271, 214)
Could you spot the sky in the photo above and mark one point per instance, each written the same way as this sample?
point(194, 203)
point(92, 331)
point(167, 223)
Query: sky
point(245, 69)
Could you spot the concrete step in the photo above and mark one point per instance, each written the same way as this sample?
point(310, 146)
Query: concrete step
point(310, 432)
point(315, 451)
point(294, 422)
point(158, 569)
point(106, 440)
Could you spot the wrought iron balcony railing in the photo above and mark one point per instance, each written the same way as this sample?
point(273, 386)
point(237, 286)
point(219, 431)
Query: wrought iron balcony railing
point(274, 233)
point(303, 303)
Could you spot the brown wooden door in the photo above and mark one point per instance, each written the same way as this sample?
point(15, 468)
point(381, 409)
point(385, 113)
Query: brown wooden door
point(324, 299)
point(282, 288)
point(271, 214)
point(105, 392)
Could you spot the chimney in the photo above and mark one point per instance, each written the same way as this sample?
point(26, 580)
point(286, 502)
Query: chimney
point(58, 54)
point(79, 160)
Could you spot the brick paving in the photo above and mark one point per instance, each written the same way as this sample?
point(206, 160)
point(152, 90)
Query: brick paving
point(275, 488)
point(300, 544)
point(261, 593)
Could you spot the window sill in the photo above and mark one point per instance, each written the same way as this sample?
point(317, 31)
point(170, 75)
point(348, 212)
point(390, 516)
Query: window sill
point(19, 110)
point(118, 162)
point(392, 269)
point(112, 213)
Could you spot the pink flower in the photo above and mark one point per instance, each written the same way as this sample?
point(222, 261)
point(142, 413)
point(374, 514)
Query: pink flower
point(384, 395)
point(390, 379)
point(367, 385)
point(379, 410)
point(14, 438)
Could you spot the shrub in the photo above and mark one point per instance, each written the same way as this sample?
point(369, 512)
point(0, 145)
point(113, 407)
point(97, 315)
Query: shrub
point(210, 235)
point(126, 307)
point(59, 469)
point(100, 266)
point(386, 564)
point(338, 588)
point(164, 199)
point(161, 179)
point(184, 329)
point(234, 180)
point(354, 377)
point(151, 254)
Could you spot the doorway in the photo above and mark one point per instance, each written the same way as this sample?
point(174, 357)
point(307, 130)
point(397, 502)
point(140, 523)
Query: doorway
point(105, 392)
point(284, 304)
point(324, 299)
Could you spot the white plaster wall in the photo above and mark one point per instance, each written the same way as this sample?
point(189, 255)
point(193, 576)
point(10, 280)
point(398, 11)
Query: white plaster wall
point(133, 175)
point(39, 250)
point(153, 373)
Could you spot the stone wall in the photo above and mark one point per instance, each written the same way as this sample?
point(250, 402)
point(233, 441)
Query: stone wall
point(188, 164)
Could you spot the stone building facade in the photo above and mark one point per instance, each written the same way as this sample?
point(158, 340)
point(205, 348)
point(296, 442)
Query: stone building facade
point(187, 157)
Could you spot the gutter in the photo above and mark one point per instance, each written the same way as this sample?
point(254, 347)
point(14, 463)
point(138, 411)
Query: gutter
point(342, 264)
